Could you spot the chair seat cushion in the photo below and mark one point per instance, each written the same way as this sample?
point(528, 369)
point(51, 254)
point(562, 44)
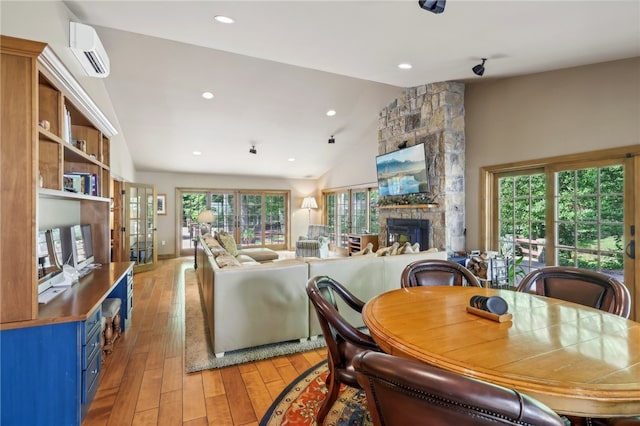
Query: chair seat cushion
point(111, 307)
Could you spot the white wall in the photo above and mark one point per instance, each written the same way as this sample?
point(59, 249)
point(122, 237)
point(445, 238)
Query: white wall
point(48, 22)
point(358, 163)
point(166, 183)
point(548, 114)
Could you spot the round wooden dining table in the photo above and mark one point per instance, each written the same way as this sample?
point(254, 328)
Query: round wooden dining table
point(575, 359)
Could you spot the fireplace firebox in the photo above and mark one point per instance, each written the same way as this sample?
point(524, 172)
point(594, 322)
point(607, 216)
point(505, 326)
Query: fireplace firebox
point(411, 230)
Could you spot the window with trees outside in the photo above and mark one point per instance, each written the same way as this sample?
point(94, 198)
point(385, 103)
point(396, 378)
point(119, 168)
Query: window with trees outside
point(575, 211)
point(351, 211)
point(255, 218)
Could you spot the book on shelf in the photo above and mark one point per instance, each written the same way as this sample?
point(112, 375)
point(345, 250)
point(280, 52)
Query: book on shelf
point(81, 183)
point(66, 125)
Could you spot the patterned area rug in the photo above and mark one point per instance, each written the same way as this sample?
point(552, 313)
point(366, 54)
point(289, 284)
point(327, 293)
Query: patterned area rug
point(299, 402)
point(198, 351)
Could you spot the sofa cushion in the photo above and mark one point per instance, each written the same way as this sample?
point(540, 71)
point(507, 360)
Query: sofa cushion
point(226, 260)
point(259, 254)
point(228, 242)
point(246, 260)
point(218, 251)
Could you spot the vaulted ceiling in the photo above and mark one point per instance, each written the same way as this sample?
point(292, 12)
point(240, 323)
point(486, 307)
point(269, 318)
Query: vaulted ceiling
point(282, 65)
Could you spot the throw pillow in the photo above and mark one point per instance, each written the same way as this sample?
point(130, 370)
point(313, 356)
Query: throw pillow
point(406, 248)
point(227, 241)
point(394, 249)
point(368, 248)
point(384, 251)
point(226, 260)
point(218, 251)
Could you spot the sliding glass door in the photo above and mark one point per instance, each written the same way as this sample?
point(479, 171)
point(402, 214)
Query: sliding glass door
point(589, 218)
point(577, 212)
point(262, 219)
point(254, 218)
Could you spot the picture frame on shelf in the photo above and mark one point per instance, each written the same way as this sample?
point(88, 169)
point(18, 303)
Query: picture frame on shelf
point(161, 206)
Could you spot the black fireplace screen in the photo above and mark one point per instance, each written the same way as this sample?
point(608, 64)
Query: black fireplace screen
point(411, 230)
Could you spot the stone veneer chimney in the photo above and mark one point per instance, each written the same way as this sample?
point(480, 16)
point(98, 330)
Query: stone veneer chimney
point(433, 114)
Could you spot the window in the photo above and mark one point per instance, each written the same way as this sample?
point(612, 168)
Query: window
point(521, 205)
point(255, 218)
point(351, 211)
point(574, 211)
point(589, 221)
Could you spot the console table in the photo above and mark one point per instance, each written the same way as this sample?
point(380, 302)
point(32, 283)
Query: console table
point(50, 366)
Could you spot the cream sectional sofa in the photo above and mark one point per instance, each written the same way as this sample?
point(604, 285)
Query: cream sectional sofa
point(259, 303)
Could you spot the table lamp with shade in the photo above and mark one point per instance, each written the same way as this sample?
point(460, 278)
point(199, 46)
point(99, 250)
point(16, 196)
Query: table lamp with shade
point(309, 203)
point(206, 217)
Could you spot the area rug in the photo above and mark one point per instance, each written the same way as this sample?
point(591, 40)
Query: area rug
point(198, 349)
point(299, 402)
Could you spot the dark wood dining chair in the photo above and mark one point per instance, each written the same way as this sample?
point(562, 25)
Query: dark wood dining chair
point(585, 287)
point(343, 340)
point(406, 392)
point(582, 286)
point(437, 272)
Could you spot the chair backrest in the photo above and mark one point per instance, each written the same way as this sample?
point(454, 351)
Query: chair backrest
point(314, 232)
point(338, 333)
point(428, 272)
point(406, 392)
point(589, 288)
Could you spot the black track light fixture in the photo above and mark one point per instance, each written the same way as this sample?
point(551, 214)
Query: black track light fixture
point(479, 69)
point(331, 139)
point(435, 6)
point(252, 150)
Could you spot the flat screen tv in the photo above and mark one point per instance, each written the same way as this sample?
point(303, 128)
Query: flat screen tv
point(402, 172)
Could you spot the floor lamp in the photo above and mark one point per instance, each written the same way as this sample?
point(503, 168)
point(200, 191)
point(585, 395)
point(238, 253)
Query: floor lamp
point(206, 217)
point(309, 203)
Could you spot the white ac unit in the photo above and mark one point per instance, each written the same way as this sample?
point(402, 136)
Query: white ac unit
point(86, 45)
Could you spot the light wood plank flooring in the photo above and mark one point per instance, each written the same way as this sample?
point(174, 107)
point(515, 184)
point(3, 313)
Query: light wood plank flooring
point(143, 381)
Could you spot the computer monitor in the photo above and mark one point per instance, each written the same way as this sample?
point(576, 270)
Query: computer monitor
point(48, 258)
point(77, 246)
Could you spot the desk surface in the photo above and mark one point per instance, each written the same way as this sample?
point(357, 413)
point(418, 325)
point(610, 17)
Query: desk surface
point(577, 360)
point(78, 301)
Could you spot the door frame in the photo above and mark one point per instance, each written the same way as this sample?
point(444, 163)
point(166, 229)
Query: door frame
point(629, 156)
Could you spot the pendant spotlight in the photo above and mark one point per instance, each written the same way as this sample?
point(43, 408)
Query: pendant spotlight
point(435, 6)
point(331, 139)
point(479, 69)
point(252, 150)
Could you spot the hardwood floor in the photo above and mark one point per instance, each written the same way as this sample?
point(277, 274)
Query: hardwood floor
point(143, 381)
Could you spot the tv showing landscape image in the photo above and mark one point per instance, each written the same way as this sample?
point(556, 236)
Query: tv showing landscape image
point(402, 172)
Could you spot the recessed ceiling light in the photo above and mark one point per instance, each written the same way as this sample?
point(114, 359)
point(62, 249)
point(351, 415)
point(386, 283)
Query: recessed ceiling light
point(207, 95)
point(291, 159)
point(224, 19)
point(197, 153)
point(405, 66)
point(331, 113)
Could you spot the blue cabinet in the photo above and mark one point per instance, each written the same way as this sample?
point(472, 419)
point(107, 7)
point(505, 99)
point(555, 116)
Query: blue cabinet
point(50, 368)
point(40, 375)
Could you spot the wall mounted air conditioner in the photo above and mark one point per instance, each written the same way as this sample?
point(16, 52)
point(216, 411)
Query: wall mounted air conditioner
point(86, 45)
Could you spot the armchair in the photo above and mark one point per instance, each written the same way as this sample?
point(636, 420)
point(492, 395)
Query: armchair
point(315, 243)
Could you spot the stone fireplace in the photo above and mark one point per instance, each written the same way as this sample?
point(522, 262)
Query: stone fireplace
point(432, 114)
point(411, 230)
